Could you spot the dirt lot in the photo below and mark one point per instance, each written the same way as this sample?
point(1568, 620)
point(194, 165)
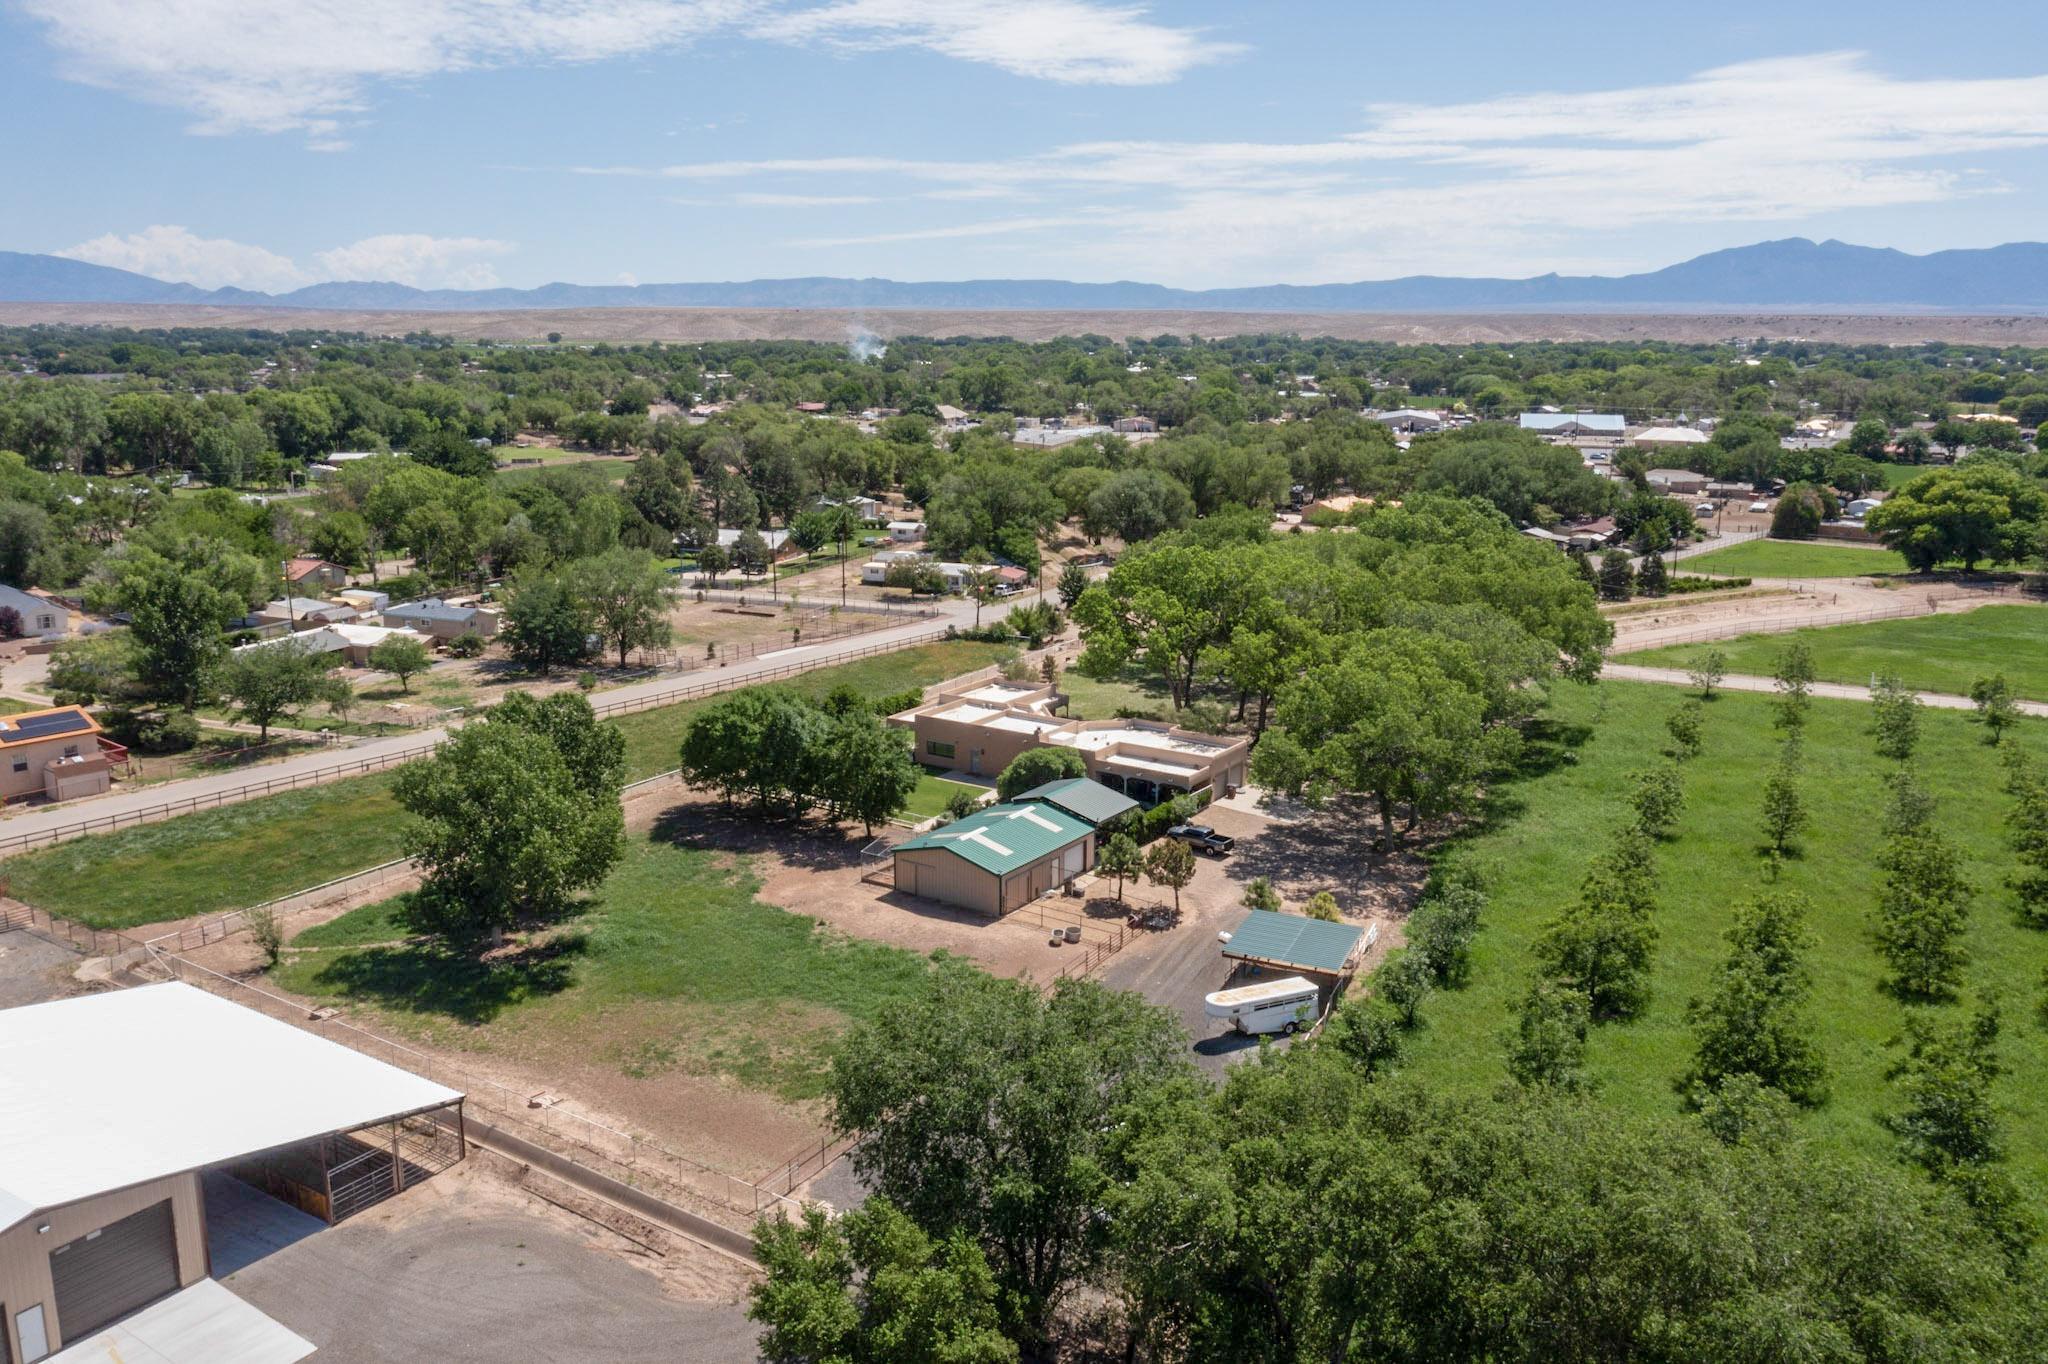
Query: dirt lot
point(1776, 605)
point(467, 1267)
point(834, 325)
point(33, 970)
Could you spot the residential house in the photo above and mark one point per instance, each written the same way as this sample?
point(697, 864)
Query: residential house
point(997, 859)
point(304, 613)
point(866, 508)
point(1574, 423)
point(1410, 419)
point(1667, 437)
point(350, 640)
point(438, 619)
point(981, 729)
point(55, 753)
point(906, 532)
point(776, 540)
point(1677, 482)
point(954, 418)
point(1134, 426)
point(315, 574)
point(41, 616)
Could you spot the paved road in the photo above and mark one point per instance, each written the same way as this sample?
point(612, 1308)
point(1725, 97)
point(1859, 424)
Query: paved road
point(1679, 677)
point(56, 822)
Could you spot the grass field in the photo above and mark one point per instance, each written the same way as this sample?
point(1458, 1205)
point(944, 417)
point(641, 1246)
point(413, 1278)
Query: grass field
point(674, 966)
point(1794, 559)
point(1899, 475)
point(1930, 653)
point(1533, 851)
point(244, 854)
point(213, 859)
point(11, 706)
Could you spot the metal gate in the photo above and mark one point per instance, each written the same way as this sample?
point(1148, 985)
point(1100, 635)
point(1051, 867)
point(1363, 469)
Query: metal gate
point(106, 1274)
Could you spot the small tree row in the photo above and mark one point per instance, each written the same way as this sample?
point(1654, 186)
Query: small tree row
point(790, 756)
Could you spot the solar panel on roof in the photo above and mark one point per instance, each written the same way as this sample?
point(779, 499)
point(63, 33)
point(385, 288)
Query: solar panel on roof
point(48, 726)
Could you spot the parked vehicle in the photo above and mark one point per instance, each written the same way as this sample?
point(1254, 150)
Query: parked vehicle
point(1202, 838)
point(1283, 1005)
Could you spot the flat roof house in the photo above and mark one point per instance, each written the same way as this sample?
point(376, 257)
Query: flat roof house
point(54, 753)
point(982, 728)
point(437, 619)
point(112, 1108)
point(41, 618)
point(996, 859)
point(1684, 482)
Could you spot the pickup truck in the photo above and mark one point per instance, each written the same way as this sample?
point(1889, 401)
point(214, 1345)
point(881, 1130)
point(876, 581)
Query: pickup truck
point(1202, 838)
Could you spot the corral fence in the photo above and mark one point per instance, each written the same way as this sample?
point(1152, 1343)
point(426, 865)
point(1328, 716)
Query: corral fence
point(221, 927)
point(1735, 628)
point(94, 942)
point(393, 757)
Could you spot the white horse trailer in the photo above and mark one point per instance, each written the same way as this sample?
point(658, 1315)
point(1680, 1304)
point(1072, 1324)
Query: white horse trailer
point(1269, 1006)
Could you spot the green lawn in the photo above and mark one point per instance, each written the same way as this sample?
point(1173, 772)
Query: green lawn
point(1544, 826)
point(244, 854)
point(1930, 653)
point(673, 967)
point(933, 793)
point(1794, 559)
point(1899, 475)
point(11, 706)
point(214, 859)
point(1135, 692)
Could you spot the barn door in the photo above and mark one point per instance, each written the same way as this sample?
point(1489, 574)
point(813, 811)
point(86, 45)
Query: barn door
point(106, 1274)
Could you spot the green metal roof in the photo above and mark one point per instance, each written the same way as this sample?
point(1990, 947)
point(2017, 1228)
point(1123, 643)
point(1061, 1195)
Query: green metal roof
point(1294, 940)
point(1084, 798)
point(1002, 838)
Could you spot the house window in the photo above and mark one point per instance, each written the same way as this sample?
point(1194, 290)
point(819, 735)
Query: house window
point(71, 750)
point(21, 764)
point(933, 748)
point(46, 622)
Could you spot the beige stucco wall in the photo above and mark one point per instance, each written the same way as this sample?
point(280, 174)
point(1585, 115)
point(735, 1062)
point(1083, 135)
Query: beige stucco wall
point(14, 785)
point(25, 1254)
point(936, 874)
point(997, 747)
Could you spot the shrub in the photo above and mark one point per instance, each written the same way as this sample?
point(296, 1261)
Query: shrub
point(166, 731)
point(1678, 585)
point(468, 644)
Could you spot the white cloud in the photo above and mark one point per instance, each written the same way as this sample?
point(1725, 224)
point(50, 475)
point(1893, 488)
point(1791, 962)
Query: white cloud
point(417, 259)
point(172, 253)
point(313, 66)
point(1504, 185)
point(751, 200)
point(1068, 41)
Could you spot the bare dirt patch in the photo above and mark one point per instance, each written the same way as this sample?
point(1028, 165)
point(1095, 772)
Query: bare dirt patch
point(833, 325)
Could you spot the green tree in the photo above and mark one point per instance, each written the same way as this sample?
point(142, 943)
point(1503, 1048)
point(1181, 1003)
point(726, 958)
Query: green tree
point(1323, 905)
point(763, 742)
point(1973, 512)
point(1784, 811)
point(1120, 858)
point(594, 750)
point(2026, 824)
point(1686, 725)
point(179, 605)
point(871, 1288)
point(1948, 1122)
point(272, 682)
point(1651, 578)
point(1073, 582)
point(1794, 679)
point(625, 594)
point(1442, 929)
point(1894, 717)
point(546, 625)
point(95, 668)
point(1923, 914)
point(503, 831)
point(1992, 696)
point(1404, 980)
point(1708, 670)
point(1037, 766)
point(1751, 1021)
point(868, 772)
point(1170, 863)
point(403, 657)
point(1259, 894)
point(1657, 795)
point(988, 1109)
point(1617, 579)
point(1547, 1046)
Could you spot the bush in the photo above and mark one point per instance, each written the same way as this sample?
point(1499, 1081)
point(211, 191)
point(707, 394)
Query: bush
point(898, 702)
point(468, 644)
point(163, 731)
point(1678, 584)
point(404, 587)
point(1163, 816)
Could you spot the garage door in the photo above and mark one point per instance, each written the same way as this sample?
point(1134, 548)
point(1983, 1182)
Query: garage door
point(106, 1274)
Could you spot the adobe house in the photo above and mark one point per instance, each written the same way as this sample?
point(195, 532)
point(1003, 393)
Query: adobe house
point(56, 753)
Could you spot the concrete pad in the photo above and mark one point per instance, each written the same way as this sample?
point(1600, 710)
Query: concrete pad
point(244, 1224)
point(203, 1324)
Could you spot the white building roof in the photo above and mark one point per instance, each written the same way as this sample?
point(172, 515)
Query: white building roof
point(105, 1091)
point(1671, 435)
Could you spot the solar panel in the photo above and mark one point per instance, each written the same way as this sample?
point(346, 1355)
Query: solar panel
point(49, 726)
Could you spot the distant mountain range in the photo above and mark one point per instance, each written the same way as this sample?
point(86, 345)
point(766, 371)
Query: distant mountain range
point(1790, 275)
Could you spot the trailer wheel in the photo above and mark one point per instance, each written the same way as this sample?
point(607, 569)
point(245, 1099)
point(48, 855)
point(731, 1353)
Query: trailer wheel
point(1291, 1027)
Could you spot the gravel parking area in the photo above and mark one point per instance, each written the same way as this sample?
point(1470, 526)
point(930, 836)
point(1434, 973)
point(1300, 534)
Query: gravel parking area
point(467, 1270)
point(33, 970)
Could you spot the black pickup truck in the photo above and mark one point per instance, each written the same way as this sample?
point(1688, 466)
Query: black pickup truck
point(1202, 838)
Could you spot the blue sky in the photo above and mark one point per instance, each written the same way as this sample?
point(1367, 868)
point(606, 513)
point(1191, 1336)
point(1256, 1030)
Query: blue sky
point(472, 142)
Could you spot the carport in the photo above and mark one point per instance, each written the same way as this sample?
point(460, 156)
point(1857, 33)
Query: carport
point(112, 1108)
point(1294, 944)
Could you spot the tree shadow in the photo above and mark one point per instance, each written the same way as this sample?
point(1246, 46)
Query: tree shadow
point(431, 976)
point(707, 826)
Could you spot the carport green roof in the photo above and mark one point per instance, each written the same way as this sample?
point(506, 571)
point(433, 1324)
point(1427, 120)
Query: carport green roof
point(1003, 838)
point(1082, 797)
point(1294, 940)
